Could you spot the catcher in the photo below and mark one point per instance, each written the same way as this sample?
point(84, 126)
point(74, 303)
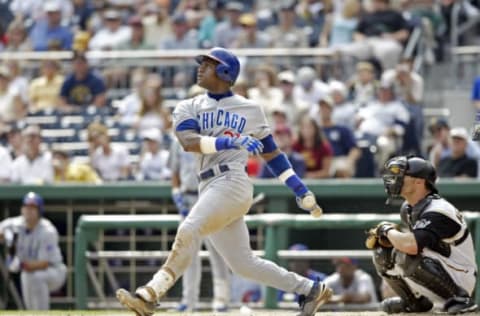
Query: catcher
point(432, 261)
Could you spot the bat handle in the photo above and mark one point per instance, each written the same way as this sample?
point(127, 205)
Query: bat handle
point(317, 212)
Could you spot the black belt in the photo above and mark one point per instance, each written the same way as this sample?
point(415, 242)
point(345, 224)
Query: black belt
point(190, 192)
point(207, 174)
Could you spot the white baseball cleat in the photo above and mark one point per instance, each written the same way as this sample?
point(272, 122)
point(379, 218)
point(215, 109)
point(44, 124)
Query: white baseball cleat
point(135, 303)
point(319, 295)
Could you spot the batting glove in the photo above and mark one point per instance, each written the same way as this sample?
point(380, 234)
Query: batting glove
point(249, 143)
point(308, 203)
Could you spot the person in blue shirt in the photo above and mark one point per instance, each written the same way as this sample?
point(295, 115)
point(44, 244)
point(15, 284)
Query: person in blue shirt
point(49, 34)
point(82, 87)
point(284, 138)
point(476, 93)
point(342, 140)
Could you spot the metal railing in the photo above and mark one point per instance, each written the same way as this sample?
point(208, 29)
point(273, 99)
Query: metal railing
point(89, 226)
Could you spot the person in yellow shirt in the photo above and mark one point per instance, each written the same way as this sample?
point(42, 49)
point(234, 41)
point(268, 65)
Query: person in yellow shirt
point(44, 91)
point(67, 171)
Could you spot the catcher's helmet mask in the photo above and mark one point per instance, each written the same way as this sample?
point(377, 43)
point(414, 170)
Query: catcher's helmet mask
point(397, 168)
point(228, 66)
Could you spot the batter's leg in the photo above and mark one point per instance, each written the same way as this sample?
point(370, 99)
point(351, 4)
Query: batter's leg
point(220, 277)
point(223, 202)
point(191, 283)
point(233, 243)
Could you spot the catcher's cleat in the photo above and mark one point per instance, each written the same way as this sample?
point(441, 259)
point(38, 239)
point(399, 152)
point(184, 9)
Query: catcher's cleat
point(396, 305)
point(460, 305)
point(135, 303)
point(319, 295)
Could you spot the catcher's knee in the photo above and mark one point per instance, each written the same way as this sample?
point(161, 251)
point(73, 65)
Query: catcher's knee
point(383, 259)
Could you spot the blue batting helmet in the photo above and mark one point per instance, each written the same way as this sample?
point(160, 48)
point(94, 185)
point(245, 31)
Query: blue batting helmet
point(32, 198)
point(228, 66)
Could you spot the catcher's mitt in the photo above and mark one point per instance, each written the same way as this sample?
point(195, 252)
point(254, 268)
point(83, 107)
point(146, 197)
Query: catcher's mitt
point(377, 236)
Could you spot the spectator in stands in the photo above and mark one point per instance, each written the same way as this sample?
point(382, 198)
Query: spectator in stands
point(380, 34)
point(342, 140)
point(10, 99)
point(464, 10)
point(33, 166)
point(14, 142)
point(250, 36)
point(312, 14)
point(309, 89)
point(17, 39)
point(80, 41)
point(156, 23)
point(383, 121)
point(228, 31)
point(113, 33)
point(302, 267)
point(314, 147)
point(408, 86)
point(292, 107)
point(44, 91)
point(476, 94)
point(137, 40)
point(182, 37)
point(441, 147)
point(457, 163)
point(33, 10)
point(68, 171)
point(6, 163)
point(340, 26)
point(152, 113)
point(154, 159)
point(344, 111)
point(48, 33)
point(18, 82)
point(82, 11)
point(206, 29)
point(265, 91)
point(287, 34)
point(129, 107)
point(350, 284)
point(284, 139)
point(363, 85)
point(82, 87)
point(110, 161)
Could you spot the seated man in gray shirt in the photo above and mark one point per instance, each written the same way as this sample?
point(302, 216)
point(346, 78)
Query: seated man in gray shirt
point(33, 241)
point(351, 285)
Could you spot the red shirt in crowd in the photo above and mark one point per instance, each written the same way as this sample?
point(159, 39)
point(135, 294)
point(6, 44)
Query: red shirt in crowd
point(314, 156)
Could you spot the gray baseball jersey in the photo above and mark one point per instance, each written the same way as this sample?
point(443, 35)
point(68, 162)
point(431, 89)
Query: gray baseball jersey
point(39, 244)
point(226, 196)
point(229, 116)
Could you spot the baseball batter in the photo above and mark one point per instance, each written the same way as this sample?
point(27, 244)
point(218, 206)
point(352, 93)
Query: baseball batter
point(35, 240)
point(185, 195)
point(224, 129)
point(434, 261)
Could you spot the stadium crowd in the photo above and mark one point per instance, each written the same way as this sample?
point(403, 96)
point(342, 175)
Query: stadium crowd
point(61, 122)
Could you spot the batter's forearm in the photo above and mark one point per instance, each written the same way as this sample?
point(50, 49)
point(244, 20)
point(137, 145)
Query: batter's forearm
point(189, 140)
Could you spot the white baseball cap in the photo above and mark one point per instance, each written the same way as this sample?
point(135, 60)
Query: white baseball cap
point(152, 134)
point(459, 132)
point(287, 76)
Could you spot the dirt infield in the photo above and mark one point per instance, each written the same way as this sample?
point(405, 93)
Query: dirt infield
point(232, 313)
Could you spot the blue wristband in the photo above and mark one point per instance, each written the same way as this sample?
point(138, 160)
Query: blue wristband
point(281, 167)
point(222, 143)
